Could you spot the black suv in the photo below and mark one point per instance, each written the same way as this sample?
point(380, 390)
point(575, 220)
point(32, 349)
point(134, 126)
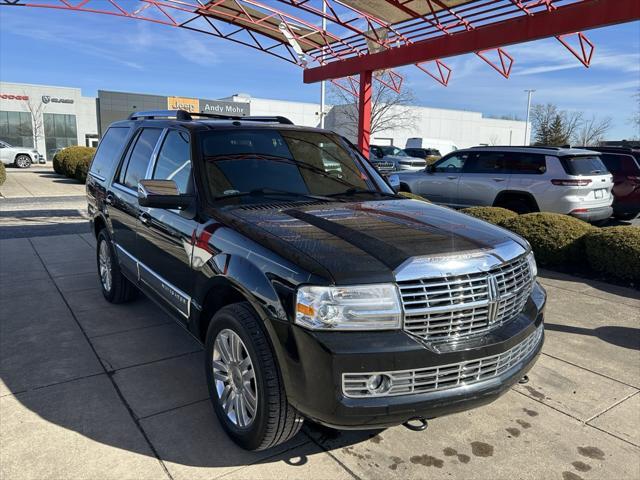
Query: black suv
point(317, 291)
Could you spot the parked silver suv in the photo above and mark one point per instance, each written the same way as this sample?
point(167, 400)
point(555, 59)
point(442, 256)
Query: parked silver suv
point(21, 157)
point(523, 179)
point(388, 158)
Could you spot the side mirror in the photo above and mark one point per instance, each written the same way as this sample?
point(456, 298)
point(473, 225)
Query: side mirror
point(162, 194)
point(394, 181)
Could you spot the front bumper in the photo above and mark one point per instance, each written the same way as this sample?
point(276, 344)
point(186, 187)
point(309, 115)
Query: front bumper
point(593, 214)
point(316, 362)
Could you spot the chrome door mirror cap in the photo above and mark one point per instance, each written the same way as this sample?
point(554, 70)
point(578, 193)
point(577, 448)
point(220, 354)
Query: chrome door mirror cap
point(162, 194)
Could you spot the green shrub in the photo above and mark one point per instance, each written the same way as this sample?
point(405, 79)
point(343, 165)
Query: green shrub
point(556, 239)
point(74, 161)
point(57, 165)
point(495, 215)
point(412, 196)
point(615, 251)
point(3, 173)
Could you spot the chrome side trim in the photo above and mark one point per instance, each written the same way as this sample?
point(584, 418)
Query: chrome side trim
point(99, 177)
point(122, 188)
point(165, 289)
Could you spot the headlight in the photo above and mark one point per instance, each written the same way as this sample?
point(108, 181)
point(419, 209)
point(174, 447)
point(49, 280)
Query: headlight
point(363, 307)
point(532, 264)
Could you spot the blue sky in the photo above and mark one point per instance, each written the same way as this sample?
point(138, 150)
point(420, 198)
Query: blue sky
point(103, 52)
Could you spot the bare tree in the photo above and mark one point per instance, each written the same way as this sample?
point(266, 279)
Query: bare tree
point(36, 109)
point(389, 109)
point(552, 126)
point(494, 140)
point(592, 131)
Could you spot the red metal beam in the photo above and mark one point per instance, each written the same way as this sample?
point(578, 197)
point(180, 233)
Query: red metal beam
point(364, 113)
point(567, 19)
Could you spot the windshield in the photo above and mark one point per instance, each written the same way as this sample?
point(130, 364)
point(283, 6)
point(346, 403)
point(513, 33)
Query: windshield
point(276, 162)
point(584, 165)
point(394, 151)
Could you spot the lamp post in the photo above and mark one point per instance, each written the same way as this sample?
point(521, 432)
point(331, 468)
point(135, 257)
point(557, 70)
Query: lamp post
point(526, 126)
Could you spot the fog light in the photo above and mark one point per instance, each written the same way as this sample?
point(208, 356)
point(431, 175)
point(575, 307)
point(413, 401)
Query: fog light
point(378, 384)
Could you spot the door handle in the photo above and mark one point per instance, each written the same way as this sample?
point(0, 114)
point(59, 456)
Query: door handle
point(452, 177)
point(499, 179)
point(144, 218)
point(109, 199)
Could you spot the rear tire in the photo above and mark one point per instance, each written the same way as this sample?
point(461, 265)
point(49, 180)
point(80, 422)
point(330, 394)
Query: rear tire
point(274, 420)
point(115, 287)
point(22, 161)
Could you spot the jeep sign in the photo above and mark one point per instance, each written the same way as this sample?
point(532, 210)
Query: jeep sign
point(225, 108)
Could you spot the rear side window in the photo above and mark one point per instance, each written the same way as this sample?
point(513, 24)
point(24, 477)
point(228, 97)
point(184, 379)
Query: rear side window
point(139, 157)
point(108, 153)
point(583, 165)
point(527, 163)
point(487, 162)
point(174, 160)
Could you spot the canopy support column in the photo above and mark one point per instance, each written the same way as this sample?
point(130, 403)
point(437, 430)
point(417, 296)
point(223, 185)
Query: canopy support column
point(364, 112)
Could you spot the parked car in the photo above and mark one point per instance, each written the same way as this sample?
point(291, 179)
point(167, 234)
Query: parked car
point(523, 179)
point(444, 146)
point(624, 165)
point(21, 157)
point(429, 154)
point(383, 157)
point(316, 295)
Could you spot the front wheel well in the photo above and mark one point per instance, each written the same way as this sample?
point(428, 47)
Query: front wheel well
point(98, 224)
point(219, 296)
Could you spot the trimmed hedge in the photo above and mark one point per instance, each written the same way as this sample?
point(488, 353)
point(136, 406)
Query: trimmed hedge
point(3, 173)
point(615, 251)
point(495, 215)
point(556, 239)
point(73, 162)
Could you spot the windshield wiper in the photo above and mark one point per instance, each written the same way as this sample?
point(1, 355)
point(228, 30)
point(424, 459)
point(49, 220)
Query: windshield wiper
point(263, 192)
point(358, 191)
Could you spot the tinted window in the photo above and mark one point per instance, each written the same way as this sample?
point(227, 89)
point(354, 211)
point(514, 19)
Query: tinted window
point(174, 160)
point(108, 153)
point(487, 162)
point(295, 161)
point(393, 151)
point(139, 157)
point(416, 152)
point(613, 162)
point(452, 164)
point(527, 163)
point(583, 165)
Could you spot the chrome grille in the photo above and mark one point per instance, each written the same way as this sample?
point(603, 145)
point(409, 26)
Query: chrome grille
point(461, 305)
point(406, 382)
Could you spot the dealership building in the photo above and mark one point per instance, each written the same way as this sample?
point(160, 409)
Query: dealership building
point(50, 117)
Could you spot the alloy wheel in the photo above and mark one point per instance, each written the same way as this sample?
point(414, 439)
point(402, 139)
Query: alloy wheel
point(22, 161)
point(234, 378)
point(104, 259)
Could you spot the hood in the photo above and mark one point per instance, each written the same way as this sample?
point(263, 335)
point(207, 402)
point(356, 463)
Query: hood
point(406, 159)
point(364, 242)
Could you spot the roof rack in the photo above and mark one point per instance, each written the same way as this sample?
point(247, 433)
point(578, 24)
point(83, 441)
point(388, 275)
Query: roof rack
point(188, 116)
point(542, 147)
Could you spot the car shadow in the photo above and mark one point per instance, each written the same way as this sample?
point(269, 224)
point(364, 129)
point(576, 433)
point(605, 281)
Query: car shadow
point(625, 337)
point(602, 286)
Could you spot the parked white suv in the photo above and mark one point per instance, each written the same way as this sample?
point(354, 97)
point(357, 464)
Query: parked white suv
point(21, 157)
point(523, 179)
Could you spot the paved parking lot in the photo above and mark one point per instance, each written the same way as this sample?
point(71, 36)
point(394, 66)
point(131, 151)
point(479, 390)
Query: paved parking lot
point(91, 390)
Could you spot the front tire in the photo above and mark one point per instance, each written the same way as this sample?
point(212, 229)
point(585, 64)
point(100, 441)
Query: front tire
point(116, 288)
point(22, 161)
point(244, 382)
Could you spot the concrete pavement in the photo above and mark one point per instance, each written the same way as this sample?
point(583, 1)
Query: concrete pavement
point(92, 390)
